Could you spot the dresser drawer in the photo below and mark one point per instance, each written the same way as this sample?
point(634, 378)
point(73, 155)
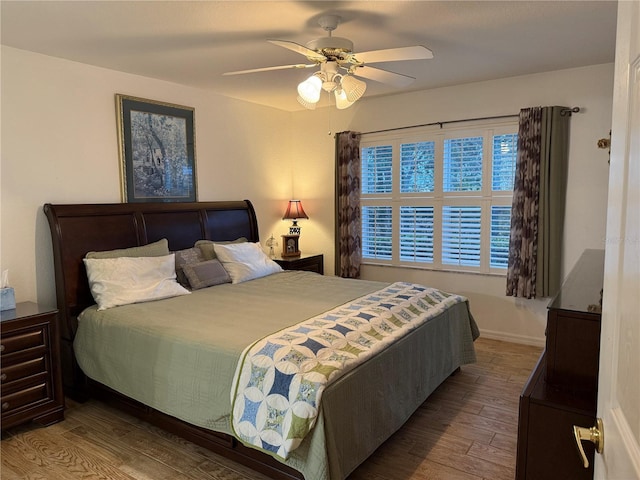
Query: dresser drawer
point(23, 341)
point(22, 370)
point(24, 398)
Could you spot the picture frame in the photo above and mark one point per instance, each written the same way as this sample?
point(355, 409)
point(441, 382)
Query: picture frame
point(290, 246)
point(156, 143)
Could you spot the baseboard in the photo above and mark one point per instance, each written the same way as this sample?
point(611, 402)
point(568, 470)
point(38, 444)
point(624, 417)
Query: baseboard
point(513, 338)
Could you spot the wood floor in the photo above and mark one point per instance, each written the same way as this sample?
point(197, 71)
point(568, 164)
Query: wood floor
point(465, 431)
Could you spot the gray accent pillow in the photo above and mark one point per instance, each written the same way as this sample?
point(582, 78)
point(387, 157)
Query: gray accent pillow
point(206, 274)
point(206, 246)
point(155, 249)
point(189, 256)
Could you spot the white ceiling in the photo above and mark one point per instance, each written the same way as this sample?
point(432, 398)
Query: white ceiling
point(194, 42)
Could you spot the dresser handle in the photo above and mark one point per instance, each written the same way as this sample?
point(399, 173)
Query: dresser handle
point(594, 434)
point(3, 377)
point(5, 406)
point(1, 348)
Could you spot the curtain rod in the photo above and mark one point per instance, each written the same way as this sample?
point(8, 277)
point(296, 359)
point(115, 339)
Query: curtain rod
point(563, 112)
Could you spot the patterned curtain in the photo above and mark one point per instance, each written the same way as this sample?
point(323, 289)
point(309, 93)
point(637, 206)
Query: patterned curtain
point(537, 212)
point(348, 222)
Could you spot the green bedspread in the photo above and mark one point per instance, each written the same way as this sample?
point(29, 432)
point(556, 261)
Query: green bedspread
point(179, 356)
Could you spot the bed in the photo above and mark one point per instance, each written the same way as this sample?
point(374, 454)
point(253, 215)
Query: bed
point(206, 332)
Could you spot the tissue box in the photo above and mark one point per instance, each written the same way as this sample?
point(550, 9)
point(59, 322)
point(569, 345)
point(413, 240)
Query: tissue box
point(7, 298)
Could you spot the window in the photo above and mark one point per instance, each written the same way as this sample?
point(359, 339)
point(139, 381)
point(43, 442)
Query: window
point(439, 198)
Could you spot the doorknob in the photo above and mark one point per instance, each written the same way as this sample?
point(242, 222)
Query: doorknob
point(594, 434)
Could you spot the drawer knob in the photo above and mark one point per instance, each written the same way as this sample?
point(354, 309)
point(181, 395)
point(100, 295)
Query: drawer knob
point(3, 377)
point(5, 406)
point(1, 348)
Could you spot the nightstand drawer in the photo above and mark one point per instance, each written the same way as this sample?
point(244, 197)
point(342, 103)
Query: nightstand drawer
point(23, 341)
point(22, 370)
point(30, 368)
point(24, 398)
point(307, 262)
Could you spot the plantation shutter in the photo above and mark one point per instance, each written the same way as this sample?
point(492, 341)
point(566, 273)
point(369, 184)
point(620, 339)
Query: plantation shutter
point(461, 235)
point(500, 231)
point(416, 234)
point(376, 169)
point(462, 164)
point(417, 167)
point(505, 149)
point(376, 232)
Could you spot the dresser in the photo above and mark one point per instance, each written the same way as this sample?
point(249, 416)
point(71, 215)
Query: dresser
point(30, 360)
point(563, 387)
point(308, 262)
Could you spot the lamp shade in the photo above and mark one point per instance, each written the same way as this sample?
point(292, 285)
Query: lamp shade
point(305, 104)
point(310, 89)
point(342, 101)
point(294, 211)
point(353, 87)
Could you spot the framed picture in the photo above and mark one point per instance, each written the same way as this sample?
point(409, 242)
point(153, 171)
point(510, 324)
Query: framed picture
point(290, 246)
point(157, 151)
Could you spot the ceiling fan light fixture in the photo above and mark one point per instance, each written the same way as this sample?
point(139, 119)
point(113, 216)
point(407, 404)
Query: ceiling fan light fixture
point(341, 99)
point(329, 86)
point(310, 89)
point(335, 56)
point(305, 104)
point(353, 87)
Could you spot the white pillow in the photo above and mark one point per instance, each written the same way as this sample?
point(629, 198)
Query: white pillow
point(245, 261)
point(124, 280)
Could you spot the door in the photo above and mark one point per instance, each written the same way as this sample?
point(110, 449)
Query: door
point(619, 379)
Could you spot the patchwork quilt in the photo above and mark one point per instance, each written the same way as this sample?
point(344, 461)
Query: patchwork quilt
point(280, 379)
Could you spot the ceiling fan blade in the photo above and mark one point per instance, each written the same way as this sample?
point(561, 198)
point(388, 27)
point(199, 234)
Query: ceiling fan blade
point(267, 69)
point(417, 52)
point(384, 76)
point(301, 49)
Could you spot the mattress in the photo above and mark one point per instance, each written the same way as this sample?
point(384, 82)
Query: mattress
point(179, 356)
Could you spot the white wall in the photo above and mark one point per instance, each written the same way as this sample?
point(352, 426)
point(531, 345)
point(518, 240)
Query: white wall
point(589, 88)
point(59, 145)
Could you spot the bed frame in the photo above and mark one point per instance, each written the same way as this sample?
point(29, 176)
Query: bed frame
point(78, 229)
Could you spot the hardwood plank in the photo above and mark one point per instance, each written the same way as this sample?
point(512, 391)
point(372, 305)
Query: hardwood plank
point(506, 442)
point(470, 464)
point(496, 455)
point(130, 461)
point(466, 430)
point(63, 459)
point(508, 416)
point(216, 470)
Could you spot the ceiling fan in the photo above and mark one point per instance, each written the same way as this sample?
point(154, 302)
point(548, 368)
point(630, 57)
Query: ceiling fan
point(339, 66)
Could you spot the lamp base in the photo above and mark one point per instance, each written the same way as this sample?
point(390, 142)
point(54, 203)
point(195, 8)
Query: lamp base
point(294, 229)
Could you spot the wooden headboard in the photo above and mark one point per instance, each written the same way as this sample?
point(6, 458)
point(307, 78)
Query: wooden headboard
point(78, 229)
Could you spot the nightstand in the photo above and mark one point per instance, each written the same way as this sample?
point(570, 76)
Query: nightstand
point(30, 374)
point(308, 262)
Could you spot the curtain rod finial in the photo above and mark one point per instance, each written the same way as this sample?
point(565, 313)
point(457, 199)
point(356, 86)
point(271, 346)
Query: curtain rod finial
point(568, 111)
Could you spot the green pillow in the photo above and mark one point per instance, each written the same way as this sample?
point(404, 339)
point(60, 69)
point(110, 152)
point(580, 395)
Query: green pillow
point(155, 249)
point(206, 247)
